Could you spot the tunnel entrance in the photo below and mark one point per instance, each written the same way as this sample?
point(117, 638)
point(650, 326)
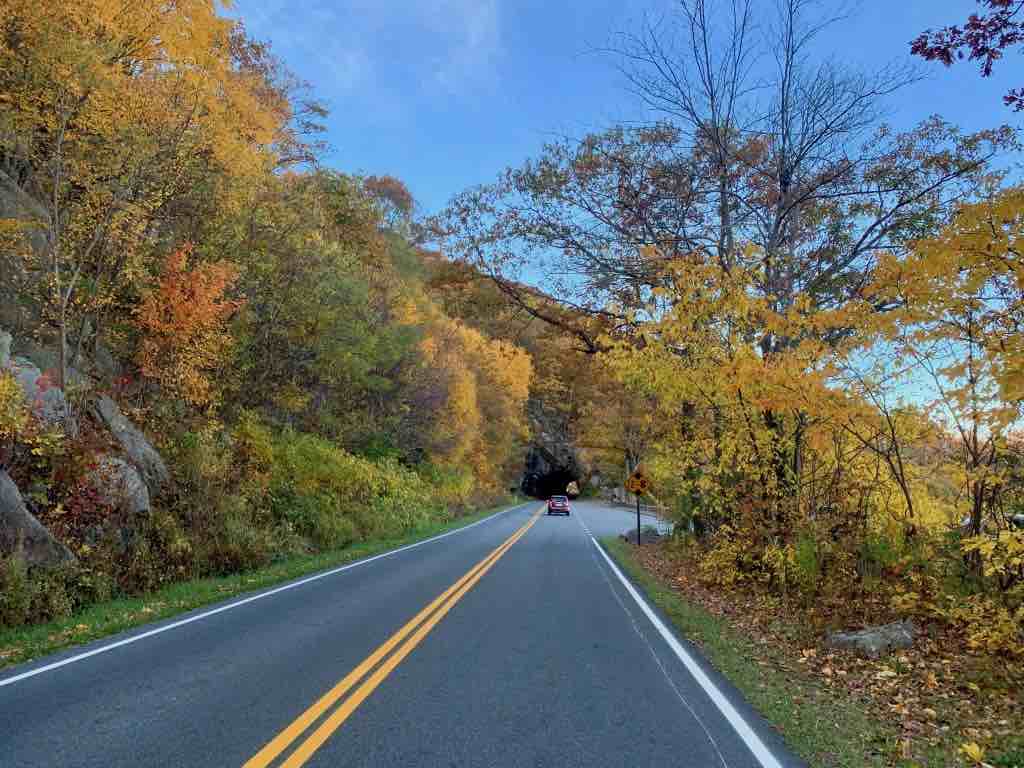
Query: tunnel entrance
point(551, 484)
point(545, 476)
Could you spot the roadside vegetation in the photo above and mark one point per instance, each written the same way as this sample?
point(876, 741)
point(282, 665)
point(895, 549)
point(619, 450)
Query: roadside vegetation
point(94, 621)
point(834, 708)
point(217, 356)
point(813, 325)
point(819, 724)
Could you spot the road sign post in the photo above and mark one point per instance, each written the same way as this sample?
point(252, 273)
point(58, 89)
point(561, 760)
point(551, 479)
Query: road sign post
point(638, 519)
point(637, 484)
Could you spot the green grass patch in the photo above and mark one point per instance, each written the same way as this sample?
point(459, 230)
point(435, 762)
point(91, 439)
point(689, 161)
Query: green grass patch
point(21, 644)
point(818, 726)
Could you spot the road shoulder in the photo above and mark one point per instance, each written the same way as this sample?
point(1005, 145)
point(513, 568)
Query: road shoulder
point(820, 728)
point(179, 601)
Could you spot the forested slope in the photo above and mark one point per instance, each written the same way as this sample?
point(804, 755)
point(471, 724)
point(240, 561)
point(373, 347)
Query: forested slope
point(215, 350)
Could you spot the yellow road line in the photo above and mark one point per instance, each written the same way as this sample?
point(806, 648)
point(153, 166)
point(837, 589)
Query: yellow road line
point(281, 742)
point(332, 723)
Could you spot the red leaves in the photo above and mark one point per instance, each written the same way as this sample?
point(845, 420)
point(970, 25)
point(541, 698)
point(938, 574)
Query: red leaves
point(983, 38)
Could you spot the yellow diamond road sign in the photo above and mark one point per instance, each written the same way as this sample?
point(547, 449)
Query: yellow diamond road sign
point(637, 482)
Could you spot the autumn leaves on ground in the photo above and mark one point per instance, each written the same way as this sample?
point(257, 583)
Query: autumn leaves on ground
point(804, 324)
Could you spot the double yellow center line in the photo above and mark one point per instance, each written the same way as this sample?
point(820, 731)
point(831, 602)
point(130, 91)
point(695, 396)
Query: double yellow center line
point(412, 634)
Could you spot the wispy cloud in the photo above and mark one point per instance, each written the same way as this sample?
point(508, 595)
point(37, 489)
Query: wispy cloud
point(373, 45)
point(474, 44)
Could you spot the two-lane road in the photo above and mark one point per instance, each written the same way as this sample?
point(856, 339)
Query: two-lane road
point(513, 642)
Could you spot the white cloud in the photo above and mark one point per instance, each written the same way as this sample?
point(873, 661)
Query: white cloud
point(474, 43)
point(350, 68)
point(451, 45)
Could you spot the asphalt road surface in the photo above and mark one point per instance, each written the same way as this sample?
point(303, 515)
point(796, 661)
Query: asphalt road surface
point(513, 642)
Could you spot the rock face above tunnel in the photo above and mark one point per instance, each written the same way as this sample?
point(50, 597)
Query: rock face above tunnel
point(547, 474)
point(552, 460)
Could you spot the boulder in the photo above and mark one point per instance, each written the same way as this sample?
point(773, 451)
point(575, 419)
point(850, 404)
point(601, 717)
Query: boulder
point(106, 365)
point(44, 397)
point(875, 641)
point(648, 535)
point(19, 530)
point(136, 447)
point(43, 357)
point(5, 348)
point(15, 203)
point(119, 485)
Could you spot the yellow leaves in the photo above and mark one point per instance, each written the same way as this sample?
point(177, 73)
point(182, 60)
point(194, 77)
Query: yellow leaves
point(116, 107)
point(972, 751)
point(983, 544)
point(14, 412)
point(478, 389)
point(291, 398)
point(1002, 553)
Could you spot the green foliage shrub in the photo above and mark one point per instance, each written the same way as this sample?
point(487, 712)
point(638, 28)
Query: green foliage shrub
point(806, 562)
point(878, 553)
point(16, 592)
point(242, 496)
point(27, 596)
point(234, 541)
point(315, 485)
point(453, 487)
point(332, 530)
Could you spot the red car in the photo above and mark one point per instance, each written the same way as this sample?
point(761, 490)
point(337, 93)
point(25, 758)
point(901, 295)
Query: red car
point(558, 505)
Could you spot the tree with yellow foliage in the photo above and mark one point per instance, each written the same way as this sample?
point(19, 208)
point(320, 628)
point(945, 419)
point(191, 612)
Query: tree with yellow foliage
point(111, 108)
point(961, 296)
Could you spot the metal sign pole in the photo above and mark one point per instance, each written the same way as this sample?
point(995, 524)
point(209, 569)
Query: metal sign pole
point(638, 519)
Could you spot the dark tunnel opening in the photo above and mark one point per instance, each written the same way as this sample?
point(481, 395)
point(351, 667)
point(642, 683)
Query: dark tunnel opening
point(553, 482)
point(549, 471)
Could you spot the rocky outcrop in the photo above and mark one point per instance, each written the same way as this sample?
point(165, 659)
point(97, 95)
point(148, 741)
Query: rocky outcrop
point(119, 485)
point(136, 447)
point(125, 484)
point(876, 641)
point(105, 364)
point(546, 474)
point(552, 460)
point(20, 531)
point(5, 348)
point(44, 397)
point(15, 203)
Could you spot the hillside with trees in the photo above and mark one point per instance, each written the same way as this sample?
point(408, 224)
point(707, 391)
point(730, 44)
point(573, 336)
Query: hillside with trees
point(215, 352)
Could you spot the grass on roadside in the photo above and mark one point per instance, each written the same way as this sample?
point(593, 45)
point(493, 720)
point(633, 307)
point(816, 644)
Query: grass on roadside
point(821, 728)
point(21, 644)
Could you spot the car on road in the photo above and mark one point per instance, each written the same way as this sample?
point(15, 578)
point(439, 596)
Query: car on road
point(558, 505)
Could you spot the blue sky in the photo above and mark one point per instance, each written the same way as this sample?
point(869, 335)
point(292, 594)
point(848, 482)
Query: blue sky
point(445, 94)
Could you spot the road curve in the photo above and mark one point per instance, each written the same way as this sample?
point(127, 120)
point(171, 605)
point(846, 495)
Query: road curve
point(514, 642)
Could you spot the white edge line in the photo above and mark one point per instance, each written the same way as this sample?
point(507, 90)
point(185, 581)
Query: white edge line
point(244, 601)
point(743, 730)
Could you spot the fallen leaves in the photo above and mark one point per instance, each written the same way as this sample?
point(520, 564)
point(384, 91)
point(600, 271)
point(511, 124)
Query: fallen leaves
point(936, 698)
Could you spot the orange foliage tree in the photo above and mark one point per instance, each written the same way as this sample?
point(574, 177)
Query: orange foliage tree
point(183, 322)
